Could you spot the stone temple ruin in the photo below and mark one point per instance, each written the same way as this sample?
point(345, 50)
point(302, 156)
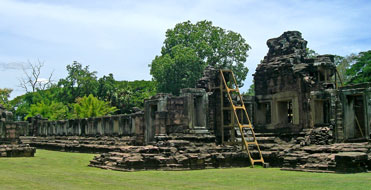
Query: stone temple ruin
point(10, 144)
point(303, 120)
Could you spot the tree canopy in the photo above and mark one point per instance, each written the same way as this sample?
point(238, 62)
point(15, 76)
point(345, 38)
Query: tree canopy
point(80, 94)
point(90, 106)
point(360, 71)
point(79, 82)
point(4, 97)
point(189, 48)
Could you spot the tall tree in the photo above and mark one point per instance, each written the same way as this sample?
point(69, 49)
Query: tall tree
point(181, 68)
point(32, 80)
point(79, 82)
point(343, 64)
point(189, 48)
point(360, 71)
point(106, 87)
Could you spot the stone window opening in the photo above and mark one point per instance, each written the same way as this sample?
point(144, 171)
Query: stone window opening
point(153, 112)
point(321, 77)
point(285, 112)
point(321, 112)
point(199, 112)
point(290, 114)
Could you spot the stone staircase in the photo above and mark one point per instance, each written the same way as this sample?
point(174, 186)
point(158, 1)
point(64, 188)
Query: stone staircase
point(199, 130)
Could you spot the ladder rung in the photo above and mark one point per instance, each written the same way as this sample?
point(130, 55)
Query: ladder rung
point(239, 107)
point(230, 90)
point(262, 161)
point(246, 126)
point(233, 90)
point(254, 143)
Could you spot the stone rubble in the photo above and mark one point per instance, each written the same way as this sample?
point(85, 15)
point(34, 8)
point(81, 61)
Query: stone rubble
point(174, 152)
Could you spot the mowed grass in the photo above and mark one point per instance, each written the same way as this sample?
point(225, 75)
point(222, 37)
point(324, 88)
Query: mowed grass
point(60, 170)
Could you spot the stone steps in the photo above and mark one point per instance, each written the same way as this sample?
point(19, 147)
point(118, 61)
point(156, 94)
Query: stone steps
point(200, 130)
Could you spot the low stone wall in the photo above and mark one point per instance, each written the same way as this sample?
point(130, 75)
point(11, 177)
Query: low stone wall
point(116, 125)
point(100, 144)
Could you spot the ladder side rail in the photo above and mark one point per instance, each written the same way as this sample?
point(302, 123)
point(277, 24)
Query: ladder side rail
point(238, 121)
point(249, 121)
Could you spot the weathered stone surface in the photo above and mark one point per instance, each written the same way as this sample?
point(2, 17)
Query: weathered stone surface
point(173, 153)
point(10, 144)
point(351, 162)
point(80, 144)
point(17, 150)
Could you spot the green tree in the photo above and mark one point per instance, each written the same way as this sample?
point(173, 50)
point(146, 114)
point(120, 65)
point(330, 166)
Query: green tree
point(343, 64)
point(79, 82)
point(311, 53)
point(360, 70)
point(22, 104)
point(90, 106)
point(4, 98)
point(131, 94)
point(181, 68)
point(107, 87)
point(251, 91)
point(201, 44)
point(49, 110)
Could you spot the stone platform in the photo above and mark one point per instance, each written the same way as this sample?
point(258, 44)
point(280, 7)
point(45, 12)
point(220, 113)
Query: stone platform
point(18, 150)
point(176, 152)
point(199, 151)
point(101, 144)
point(296, 155)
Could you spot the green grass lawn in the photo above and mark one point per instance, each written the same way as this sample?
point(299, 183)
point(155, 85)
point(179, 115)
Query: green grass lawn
point(60, 170)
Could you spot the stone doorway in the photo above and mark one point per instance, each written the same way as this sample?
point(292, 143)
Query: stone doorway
point(355, 121)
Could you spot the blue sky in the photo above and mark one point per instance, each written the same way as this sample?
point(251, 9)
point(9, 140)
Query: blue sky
point(123, 36)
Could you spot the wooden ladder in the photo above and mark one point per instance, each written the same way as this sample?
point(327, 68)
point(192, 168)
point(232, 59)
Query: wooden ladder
point(237, 114)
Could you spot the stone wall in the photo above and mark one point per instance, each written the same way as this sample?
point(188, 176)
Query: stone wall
point(10, 144)
point(165, 114)
point(283, 82)
point(116, 125)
